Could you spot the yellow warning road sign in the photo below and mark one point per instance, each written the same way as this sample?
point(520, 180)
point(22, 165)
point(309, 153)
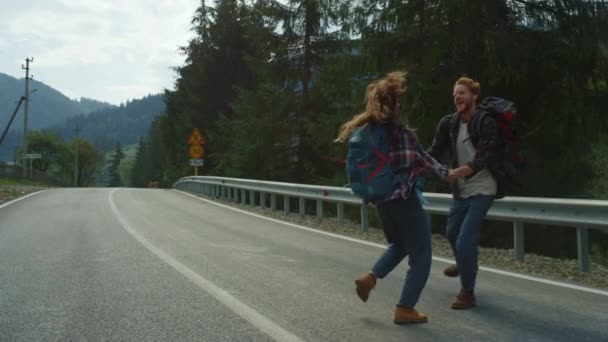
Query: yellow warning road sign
point(196, 151)
point(196, 138)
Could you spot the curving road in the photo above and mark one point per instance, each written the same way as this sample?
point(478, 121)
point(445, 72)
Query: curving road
point(160, 265)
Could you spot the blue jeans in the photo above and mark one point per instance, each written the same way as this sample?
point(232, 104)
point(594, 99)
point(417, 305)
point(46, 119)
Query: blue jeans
point(406, 228)
point(464, 223)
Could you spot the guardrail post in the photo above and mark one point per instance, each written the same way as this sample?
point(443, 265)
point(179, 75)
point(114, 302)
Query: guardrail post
point(251, 198)
point(235, 195)
point(364, 218)
point(341, 214)
point(286, 205)
point(263, 200)
point(582, 242)
point(243, 196)
point(302, 207)
point(319, 210)
point(273, 202)
point(518, 241)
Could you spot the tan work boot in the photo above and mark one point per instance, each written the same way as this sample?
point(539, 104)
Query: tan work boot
point(365, 284)
point(404, 315)
point(464, 300)
point(451, 271)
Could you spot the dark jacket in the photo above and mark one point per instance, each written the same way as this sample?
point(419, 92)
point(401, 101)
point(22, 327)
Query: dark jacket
point(485, 141)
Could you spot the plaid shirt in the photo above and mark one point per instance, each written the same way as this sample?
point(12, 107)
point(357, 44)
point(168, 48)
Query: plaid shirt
point(406, 153)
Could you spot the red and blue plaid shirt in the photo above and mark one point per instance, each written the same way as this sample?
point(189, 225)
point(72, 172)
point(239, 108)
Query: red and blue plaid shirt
point(406, 153)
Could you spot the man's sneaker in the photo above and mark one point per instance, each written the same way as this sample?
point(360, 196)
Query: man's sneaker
point(405, 315)
point(464, 300)
point(451, 271)
point(365, 284)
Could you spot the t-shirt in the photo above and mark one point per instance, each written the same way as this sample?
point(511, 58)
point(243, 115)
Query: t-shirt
point(482, 183)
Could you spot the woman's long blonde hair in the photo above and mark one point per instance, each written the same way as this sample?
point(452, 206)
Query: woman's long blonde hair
point(381, 98)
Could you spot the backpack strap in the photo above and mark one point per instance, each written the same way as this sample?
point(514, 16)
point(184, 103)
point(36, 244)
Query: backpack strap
point(476, 126)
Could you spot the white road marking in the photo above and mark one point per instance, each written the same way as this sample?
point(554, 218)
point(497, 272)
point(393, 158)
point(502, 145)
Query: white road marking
point(20, 198)
point(256, 319)
point(377, 245)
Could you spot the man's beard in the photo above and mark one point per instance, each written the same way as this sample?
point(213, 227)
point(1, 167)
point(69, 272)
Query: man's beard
point(466, 107)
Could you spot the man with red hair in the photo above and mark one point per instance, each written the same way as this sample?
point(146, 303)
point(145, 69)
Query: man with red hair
point(471, 155)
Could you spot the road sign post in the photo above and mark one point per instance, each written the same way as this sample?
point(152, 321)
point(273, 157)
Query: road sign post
point(196, 150)
point(196, 163)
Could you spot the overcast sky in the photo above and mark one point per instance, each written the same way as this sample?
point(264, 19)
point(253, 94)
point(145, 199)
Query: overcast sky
point(109, 50)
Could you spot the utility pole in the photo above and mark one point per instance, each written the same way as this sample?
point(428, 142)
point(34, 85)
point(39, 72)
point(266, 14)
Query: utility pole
point(76, 131)
point(25, 110)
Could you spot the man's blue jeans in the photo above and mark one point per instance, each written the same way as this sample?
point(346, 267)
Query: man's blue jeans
point(406, 228)
point(464, 223)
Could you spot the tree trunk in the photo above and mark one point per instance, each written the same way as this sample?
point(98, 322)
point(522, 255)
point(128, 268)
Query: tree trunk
point(306, 77)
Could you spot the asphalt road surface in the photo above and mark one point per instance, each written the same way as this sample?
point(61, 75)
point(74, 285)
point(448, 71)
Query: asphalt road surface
point(160, 265)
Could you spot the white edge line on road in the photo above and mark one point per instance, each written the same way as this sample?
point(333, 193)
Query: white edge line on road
point(20, 198)
point(377, 245)
point(256, 319)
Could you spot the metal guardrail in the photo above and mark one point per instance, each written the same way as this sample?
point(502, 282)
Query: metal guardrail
point(580, 214)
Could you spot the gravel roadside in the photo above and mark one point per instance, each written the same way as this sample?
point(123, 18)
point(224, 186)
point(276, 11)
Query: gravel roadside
point(564, 270)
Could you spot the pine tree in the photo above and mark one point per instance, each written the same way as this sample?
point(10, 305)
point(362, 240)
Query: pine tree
point(114, 175)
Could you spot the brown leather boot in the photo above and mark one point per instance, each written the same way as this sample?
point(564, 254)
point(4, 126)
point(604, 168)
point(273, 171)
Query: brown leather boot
point(404, 315)
point(451, 271)
point(365, 284)
point(464, 300)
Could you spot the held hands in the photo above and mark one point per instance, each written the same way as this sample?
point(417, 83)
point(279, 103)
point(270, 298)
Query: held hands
point(460, 172)
point(451, 177)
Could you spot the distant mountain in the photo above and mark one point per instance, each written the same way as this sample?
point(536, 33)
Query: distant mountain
point(125, 124)
point(101, 123)
point(47, 106)
point(91, 105)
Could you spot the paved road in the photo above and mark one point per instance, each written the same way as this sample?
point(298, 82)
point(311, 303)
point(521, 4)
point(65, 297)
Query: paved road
point(159, 265)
